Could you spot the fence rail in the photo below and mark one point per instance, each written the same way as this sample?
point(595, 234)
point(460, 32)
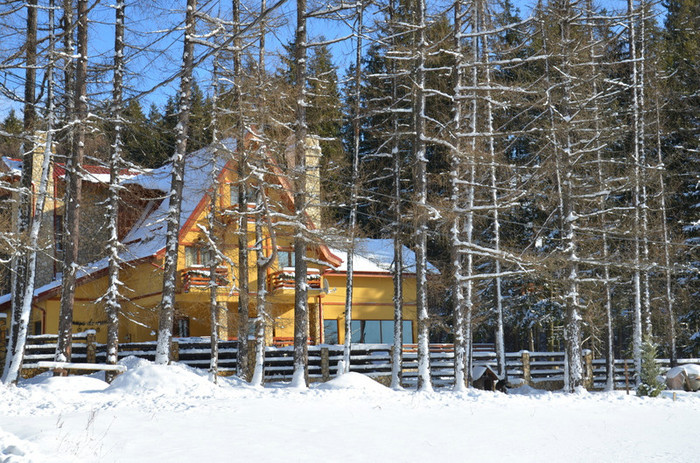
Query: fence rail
point(540, 369)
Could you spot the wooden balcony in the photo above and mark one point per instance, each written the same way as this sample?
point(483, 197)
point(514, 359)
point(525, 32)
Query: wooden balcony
point(283, 280)
point(197, 278)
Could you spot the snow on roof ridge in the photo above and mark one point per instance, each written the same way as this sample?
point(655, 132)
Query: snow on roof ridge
point(377, 255)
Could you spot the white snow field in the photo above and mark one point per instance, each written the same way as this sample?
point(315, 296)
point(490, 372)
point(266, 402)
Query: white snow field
point(173, 413)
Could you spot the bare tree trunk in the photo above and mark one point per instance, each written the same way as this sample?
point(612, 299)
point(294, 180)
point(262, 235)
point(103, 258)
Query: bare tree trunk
point(243, 267)
point(301, 303)
point(421, 215)
point(69, 66)
point(167, 307)
point(397, 275)
point(637, 330)
point(214, 259)
point(262, 217)
point(24, 210)
point(646, 301)
point(354, 186)
point(495, 203)
point(15, 352)
point(73, 196)
point(113, 306)
point(601, 203)
point(573, 376)
point(263, 263)
point(668, 294)
point(456, 162)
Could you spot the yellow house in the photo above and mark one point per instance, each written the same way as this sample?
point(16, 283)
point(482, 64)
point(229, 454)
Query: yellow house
point(143, 255)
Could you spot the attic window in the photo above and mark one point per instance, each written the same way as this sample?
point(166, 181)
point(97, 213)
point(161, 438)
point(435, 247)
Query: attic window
point(197, 255)
point(250, 194)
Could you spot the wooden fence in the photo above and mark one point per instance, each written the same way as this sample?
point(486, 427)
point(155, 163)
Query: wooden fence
point(539, 369)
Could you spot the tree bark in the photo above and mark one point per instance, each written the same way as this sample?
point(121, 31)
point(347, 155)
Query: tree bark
point(73, 195)
point(301, 303)
point(421, 192)
point(167, 307)
point(112, 303)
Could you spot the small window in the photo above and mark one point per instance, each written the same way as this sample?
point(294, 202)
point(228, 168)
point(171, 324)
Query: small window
point(250, 194)
point(197, 256)
point(58, 232)
point(285, 258)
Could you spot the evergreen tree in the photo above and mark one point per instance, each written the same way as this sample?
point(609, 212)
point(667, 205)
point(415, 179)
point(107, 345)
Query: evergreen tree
point(682, 152)
point(10, 142)
point(650, 373)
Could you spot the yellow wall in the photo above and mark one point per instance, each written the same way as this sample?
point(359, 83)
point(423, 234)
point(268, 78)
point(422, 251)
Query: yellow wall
point(372, 298)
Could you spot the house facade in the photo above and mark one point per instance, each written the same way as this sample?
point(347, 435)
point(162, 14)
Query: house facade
point(142, 232)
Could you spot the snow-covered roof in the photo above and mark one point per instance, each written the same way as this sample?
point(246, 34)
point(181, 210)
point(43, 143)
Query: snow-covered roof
point(147, 236)
point(98, 174)
point(377, 255)
point(93, 174)
point(11, 165)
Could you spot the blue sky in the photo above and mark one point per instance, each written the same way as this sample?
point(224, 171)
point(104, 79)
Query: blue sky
point(148, 68)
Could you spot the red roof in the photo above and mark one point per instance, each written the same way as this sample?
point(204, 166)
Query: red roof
point(60, 170)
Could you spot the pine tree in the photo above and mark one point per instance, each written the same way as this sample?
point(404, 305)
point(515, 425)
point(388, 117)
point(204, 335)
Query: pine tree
point(650, 383)
point(11, 128)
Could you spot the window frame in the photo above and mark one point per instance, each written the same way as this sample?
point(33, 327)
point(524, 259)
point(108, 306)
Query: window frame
point(407, 331)
point(201, 254)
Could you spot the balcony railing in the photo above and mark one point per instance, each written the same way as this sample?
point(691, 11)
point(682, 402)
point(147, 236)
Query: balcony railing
point(284, 279)
point(199, 277)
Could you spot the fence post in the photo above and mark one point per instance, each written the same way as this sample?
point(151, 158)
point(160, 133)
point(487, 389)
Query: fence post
point(175, 351)
point(588, 359)
point(325, 364)
point(91, 347)
point(526, 367)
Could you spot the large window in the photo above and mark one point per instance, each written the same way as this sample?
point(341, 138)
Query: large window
point(368, 331)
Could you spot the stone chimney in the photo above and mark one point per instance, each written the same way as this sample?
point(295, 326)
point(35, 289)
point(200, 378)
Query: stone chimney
point(39, 151)
point(45, 262)
point(313, 175)
point(313, 180)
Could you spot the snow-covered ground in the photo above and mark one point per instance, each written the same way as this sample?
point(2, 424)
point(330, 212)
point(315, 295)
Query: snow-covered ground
point(157, 413)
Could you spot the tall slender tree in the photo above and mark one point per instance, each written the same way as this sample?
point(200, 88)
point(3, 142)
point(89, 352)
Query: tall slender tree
point(301, 303)
point(73, 194)
point(112, 302)
point(359, 31)
point(420, 181)
point(167, 305)
point(15, 353)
